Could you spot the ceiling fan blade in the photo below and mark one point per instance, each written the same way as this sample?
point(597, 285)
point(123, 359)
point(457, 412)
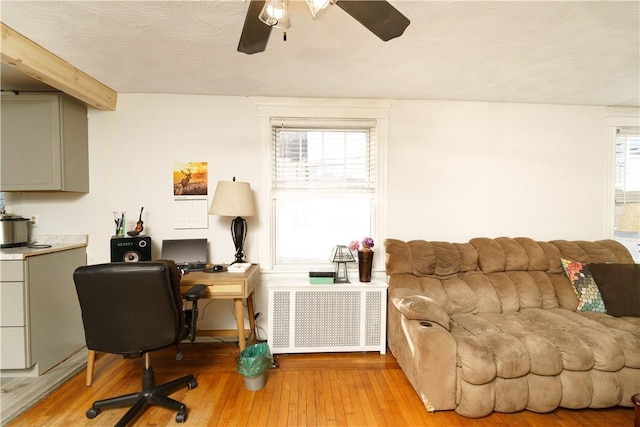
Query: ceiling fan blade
point(378, 16)
point(255, 33)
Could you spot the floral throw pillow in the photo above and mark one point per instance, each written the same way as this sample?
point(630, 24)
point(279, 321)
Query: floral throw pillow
point(589, 298)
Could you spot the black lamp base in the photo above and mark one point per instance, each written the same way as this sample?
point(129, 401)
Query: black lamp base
point(239, 234)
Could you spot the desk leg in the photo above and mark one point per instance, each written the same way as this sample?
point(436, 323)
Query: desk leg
point(91, 358)
point(240, 320)
point(252, 318)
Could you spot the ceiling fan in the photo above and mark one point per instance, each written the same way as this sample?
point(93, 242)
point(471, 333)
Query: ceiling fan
point(378, 16)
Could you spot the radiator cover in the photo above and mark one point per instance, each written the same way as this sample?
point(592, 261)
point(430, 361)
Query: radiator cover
point(327, 318)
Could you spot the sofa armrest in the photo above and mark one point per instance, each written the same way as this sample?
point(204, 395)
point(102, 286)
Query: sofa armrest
point(417, 306)
point(426, 353)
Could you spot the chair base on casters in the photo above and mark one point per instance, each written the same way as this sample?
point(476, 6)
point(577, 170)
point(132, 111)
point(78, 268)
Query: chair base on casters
point(150, 395)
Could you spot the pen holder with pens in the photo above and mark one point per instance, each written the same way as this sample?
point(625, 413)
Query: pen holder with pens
point(119, 219)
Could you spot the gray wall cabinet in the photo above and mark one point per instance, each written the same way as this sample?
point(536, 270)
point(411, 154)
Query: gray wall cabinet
point(44, 144)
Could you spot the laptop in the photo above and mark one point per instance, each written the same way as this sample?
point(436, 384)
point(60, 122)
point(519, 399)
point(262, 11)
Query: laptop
point(188, 254)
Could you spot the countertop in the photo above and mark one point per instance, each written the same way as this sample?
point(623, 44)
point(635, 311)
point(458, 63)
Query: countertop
point(56, 243)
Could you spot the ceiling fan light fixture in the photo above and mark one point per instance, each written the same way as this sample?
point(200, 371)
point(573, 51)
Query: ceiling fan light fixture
point(275, 13)
point(317, 7)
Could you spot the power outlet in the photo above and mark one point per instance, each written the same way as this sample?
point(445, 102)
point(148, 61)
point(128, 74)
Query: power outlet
point(33, 220)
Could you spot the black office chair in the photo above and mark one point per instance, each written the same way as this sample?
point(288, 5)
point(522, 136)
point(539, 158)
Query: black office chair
point(132, 309)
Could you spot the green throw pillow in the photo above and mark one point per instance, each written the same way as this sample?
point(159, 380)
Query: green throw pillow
point(589, 297)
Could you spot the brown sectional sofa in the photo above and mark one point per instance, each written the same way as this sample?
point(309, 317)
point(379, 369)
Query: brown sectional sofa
point(491, 325)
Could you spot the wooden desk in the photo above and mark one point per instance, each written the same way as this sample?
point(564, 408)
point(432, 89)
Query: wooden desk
point(225, 285)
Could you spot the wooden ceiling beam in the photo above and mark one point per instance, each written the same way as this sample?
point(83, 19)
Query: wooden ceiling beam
point(35, 61)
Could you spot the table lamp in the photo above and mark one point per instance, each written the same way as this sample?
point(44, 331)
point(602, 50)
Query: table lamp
point(341, 255)
point(234, 199)
point(629, 218)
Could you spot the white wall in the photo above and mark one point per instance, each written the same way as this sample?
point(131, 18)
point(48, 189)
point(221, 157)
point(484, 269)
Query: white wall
point(455, 170)
point(459, 170)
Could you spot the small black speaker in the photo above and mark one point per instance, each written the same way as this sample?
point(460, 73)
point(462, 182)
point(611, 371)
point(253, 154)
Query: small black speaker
point(130, 249)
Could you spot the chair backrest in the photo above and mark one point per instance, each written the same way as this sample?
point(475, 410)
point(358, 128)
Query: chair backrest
point(130, 308)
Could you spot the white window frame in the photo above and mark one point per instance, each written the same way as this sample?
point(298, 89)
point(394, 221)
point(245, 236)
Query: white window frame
point(617, 117)
point(630, 166)
point(320, 110)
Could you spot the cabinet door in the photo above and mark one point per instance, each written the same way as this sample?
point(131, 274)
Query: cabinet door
point(55, 321)
point(31, 154)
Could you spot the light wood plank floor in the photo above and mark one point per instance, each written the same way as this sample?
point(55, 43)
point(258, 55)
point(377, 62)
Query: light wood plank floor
point(354, 389)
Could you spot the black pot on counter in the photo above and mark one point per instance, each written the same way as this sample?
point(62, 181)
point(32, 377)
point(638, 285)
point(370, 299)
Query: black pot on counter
point(14, 231)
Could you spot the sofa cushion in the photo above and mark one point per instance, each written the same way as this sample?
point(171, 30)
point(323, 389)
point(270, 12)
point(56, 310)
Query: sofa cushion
point(491, 256)
point(544, 355)
point(619, 251)
point(506, 291)
point(553, 257)
point(448, 258)
point(608, 354)
point(516, 258)
point(585, 287)
point(528, 292)
point(571, 250)
point(619, 285)
point(468, 256)
point(486, 297)
point(545, 286)
point(537, 259)
point(423, 257)
point(597, 252)
point(398, 257)
point(509, 354)
point(461, 297)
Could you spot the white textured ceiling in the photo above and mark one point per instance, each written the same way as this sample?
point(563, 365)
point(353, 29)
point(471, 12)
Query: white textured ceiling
point(565, 52)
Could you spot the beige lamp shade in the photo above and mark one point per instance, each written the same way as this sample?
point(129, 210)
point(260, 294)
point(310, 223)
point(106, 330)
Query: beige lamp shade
point(233, 198)
point(629, 218)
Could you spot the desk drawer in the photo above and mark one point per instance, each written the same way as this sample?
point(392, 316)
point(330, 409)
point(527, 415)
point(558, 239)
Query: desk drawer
point(231, 288)
point(222, 289)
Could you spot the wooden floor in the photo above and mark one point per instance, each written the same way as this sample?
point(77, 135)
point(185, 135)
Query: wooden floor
point(355, 389)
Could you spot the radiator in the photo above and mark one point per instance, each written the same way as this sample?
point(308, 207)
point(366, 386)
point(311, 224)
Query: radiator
point(327, 318)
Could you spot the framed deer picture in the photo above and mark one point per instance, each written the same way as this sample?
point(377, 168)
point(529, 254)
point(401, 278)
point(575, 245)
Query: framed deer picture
point(190, 179)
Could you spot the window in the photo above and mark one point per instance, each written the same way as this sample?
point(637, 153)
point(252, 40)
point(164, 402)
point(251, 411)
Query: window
point(627, 165)
point(627, 188)
point(325, 182)
point(323, 187)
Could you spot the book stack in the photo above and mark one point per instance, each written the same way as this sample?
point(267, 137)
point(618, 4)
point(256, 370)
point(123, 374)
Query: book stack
point(322, 277)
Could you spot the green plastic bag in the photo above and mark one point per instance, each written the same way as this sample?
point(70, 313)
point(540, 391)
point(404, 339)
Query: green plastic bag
point(255, 360)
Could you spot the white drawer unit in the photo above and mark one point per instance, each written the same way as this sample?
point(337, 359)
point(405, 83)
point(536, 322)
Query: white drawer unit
point(306, 318)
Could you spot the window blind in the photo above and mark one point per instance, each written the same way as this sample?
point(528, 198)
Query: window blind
point(336, 154)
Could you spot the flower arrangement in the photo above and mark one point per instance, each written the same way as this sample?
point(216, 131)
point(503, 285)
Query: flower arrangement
point(367, 245)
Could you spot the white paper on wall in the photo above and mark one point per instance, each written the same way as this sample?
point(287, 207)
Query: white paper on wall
point(190, 212)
